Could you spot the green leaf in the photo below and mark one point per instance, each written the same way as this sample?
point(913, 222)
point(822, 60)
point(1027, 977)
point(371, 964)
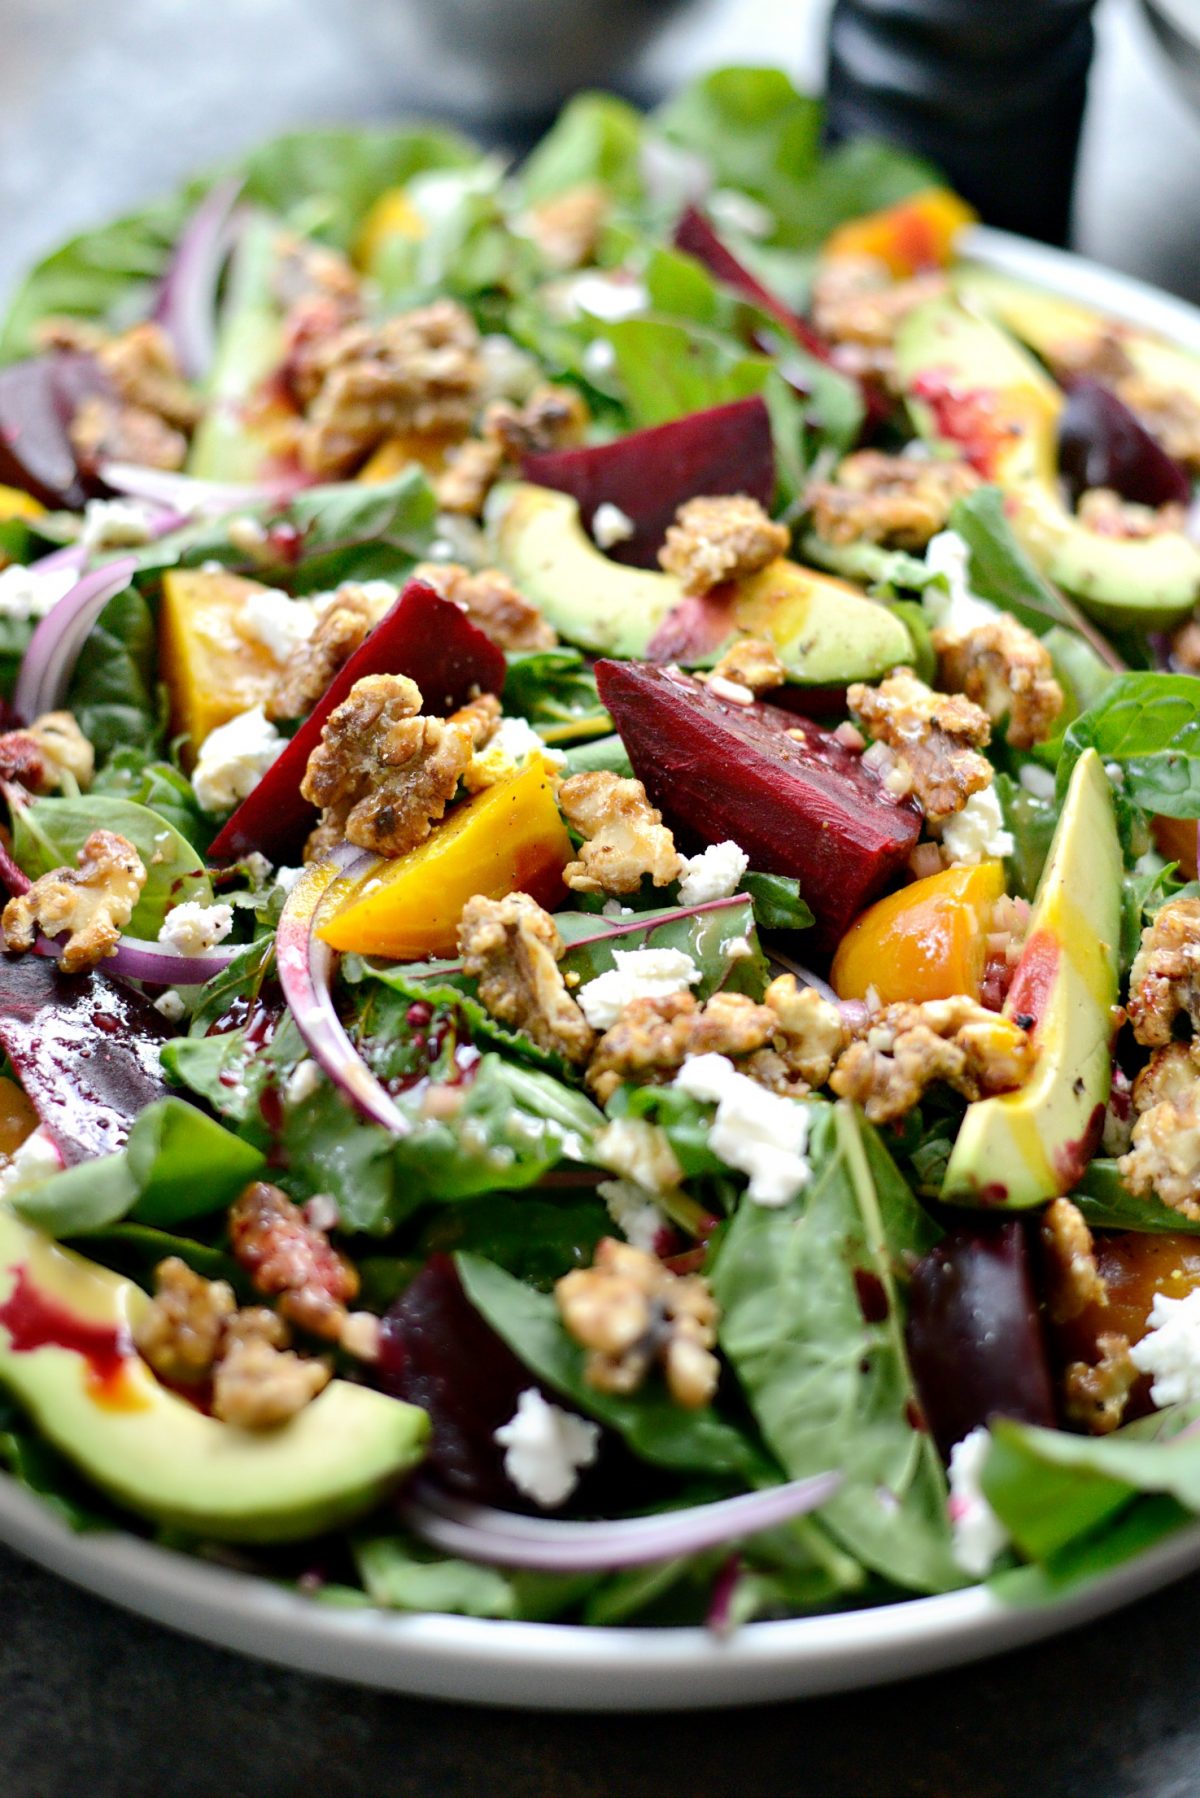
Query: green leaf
point(606, 753)
point(114, 689)
point(556, 691)
point(535, 1238)
point(714, 936)
point(1107, 1204)
point(596, 138)
point(131, 774)
point(777, 902)
point(655, 1428)
point(50, 832)
point(1031, 822)
point(402, 1575)
point(825, 1370)
point(1149, 725)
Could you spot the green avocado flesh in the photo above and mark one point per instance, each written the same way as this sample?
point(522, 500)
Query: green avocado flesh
point(1033, 1144)
point(969, 386)
point(67, 1357)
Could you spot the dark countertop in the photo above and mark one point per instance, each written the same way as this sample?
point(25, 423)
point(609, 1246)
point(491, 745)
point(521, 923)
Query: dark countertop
point(101, 105)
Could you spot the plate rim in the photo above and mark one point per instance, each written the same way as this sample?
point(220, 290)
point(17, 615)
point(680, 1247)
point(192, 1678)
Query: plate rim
point(555, 1666)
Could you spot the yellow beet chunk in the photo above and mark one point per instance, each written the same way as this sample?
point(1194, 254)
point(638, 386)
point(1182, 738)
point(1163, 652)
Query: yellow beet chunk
point(16, 504)
point(509, 838)
point(917, 234)
point(212, 670)
point(393, 215)
point(928, 941)
point(397, 453)
point(18, 1119)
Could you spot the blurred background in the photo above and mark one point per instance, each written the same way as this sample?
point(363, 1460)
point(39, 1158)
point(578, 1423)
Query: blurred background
point(102, 104)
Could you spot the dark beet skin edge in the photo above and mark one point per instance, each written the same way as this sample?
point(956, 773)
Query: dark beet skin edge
point(38, 399)
point(801, 805)
point(1101, 443)
point(423, 636)
point(84, 1048)
point(975, 1337)
point(651, 473)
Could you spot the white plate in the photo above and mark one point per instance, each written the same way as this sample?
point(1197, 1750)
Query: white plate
point(562, 1667)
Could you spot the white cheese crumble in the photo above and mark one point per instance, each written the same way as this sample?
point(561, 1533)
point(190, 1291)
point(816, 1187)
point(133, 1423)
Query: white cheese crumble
point(514, 742)
point(634, 1212)
point(1038, 781)
point(977, 832)
point(605, 296)
point(281, 624)
point(734, 211)
point(599, 358)
point(30, 592)
point(286, 878)
point(1170, 1351)
point(960, 609)
point(116, 524)
point(191, 928)
point(33, 1161)
point(639, 1151)
point(302, 1082)
point(610, 525)
point(639, 974)
point(979, 1537)
point(170, 1005)
point(234, 758)
point(760, 1133)
point(715, 873)
point(732, 691)
point(545, 1447)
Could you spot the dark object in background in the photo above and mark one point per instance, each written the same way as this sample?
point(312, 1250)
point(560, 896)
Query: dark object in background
point(992, 91)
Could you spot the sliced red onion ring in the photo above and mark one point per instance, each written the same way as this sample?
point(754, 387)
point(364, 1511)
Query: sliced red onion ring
point(54, 647)
point(193, 498)
point(804, 975)
point(479, 1533)
point(137, 958)
point(71, 555)
point(306, 967)
point(187, 300)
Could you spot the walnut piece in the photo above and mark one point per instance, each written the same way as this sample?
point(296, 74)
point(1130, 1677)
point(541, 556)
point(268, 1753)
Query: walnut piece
point(257, 1386)
point(1007, 671)
point(900, 501)
point(383, 773)
point(104, 430)
point(935, 736)
point(1164, 1157)
point(720, 539)
point(566, 228)
point(492, 603)
point(1104, 511)
point(1095, 1396)
point(652, 1038)
point(288, 1258)
point(904, 1049)
point(181, 1331)
point(809, 1035)
point(624, 835)
point(858, 306)
point(629, 1312)
point(553, 417)
point(752, 663)
point(470, 471)
point(142, 366)
point(342, 628)
point(39, 756)
point(92, 902)
point(1164, 982)
point(152, 411)
point(1073, 1279)
point(512, 948)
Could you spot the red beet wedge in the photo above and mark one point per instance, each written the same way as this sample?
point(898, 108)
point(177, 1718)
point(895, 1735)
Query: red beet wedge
point(38, 400)
point(795, 799)
point(650, 474)
point(696, 236)
point(423, 636)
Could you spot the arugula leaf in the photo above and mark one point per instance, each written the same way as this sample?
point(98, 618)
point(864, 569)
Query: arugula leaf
point(114, 690)
point(1107, 1204)
point(825, 1373)
point(50, 832)
point(651, 1423)
point(777, 902)
point(556, 691)
point(1149, 725)
point(596, 137)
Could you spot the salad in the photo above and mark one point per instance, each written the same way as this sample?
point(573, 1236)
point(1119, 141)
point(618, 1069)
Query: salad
point(602, 941)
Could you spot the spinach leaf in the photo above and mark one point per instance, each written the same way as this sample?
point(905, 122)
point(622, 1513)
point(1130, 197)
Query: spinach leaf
point(777, 902)
point(1107, 1205)
point(236, 986)
point(716, 937)
point(651, 1423)
point(812, 1324)
point(556, 691)
point(606, 753)
point(130, 774)
point(596, 138)
point(535, 1238)
point(325, 181)
point(136, 1249)
point(1149, 725)
point(114, 692)
point(402, 1575)
point(50, 832)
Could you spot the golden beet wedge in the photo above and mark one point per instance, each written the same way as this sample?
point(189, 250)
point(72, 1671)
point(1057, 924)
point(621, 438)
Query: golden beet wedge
point(917, 234)
point(508, 838)
point(928, 941)
point(211, 669)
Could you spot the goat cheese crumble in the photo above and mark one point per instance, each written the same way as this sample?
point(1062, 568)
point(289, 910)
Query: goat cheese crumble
point(761, 1134)
point(514, 742)
point(233, 759)
point(958, 608)
point(302, 1082)
point(191, 928)
point(115, 524)
point(610, 525)
point(715, 873)
point(977, 832)
point(31, 1162)
point(1037, 780)
point(27, 593)
point(605, 296)
point(979, 1537)
point(634, 1212)
point(1170, 1351)
point(281, 624)
point(170, 1005)
point(639, 974)
point(545, 1447)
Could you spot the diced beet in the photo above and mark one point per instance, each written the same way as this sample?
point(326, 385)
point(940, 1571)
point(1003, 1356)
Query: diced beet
point(1101, 443)
point(974, 1334)
point(38, 400)
point(650, 474)
point(84, 1048)
point(423, 636)
point(796, 800)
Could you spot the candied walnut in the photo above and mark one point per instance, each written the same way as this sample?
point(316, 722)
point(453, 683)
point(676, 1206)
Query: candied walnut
point(419, 373)
point(306, 270)
point(181, 1331)
point(934, 736)
point(1165, 1155)
point(567, 227)
point(342, 628)
point(1073, 1279)
point(624, 835)
point(287, 1256)
point(858, 306)
point(629, 1312)
point(715, 540)
point(653, 1038)
point(480, 717)
point(92, 902)
point(322, 840)
point(810, 1033)
point(470, 472)
point(52, 747)
point(1166, 1077)
point(904, 1049)
point(492, 602)
point(752, 663)
point(900, 501)
point(1007, 671)
point(257, 1386)
point(553, 417)
point(1095, 1396)
point(1105, 512)
point(104, 430)
point(1164, 982)
point(512, 948)
point(142, 367)
point(382, 772)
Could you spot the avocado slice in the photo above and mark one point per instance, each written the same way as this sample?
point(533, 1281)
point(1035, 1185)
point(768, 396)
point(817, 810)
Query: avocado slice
point(972, 387)
point(1026, 1146)
point(824, 630)
point(66, 1355)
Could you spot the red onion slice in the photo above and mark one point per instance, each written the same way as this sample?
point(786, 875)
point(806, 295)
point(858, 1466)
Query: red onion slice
point(195, 499)
point(479, 1533)
point(54, 647)
point(187, 300)
point(136, 958)
point(804, 975)
point(306, 968)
